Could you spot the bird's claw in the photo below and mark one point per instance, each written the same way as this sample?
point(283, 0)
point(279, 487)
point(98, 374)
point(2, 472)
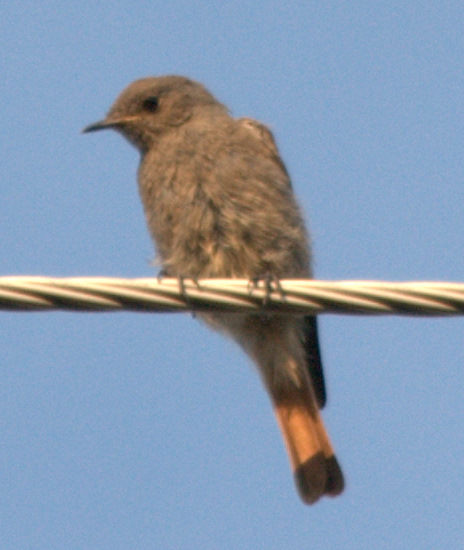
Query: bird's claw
point(271, 283)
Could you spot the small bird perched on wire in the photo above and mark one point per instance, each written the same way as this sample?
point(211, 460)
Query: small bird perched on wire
point(219, 203)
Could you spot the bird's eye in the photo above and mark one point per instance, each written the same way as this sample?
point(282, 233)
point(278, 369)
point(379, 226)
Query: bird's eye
point(150, 104)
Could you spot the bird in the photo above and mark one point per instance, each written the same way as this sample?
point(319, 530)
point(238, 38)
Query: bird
point(218, 202)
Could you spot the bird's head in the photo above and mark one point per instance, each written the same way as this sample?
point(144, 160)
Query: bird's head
point(150, 107)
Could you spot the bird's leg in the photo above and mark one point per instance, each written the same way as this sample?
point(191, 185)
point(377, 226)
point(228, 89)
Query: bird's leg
point(271, 282)
point(182, 291)
point(162, 274)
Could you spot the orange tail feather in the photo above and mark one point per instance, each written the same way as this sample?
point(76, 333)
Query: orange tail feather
point(312, 458)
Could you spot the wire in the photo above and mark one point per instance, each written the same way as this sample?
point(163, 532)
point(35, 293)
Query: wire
point(289, 296)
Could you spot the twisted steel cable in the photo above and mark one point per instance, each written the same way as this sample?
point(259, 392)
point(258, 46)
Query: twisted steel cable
point(34, 293)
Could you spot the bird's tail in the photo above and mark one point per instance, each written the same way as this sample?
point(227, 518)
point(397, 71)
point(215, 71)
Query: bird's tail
point(292, 374)
point(312, 458)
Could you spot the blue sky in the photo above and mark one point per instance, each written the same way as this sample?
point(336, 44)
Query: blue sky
point(149, 431)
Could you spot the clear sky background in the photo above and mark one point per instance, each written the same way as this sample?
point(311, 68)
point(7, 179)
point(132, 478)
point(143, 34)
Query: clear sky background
point(126, 430)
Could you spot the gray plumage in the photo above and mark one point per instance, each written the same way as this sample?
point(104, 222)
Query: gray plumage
point(219, 203)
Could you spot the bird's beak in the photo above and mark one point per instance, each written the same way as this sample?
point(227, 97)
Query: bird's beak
point(111, 121)
point(100, 125)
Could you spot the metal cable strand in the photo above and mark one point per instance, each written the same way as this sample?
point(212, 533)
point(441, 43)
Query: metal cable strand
point(31, 293)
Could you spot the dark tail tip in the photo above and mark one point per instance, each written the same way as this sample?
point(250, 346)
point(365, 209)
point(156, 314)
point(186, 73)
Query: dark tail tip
point(311, 478)
point(335, 482)
point(319, 476)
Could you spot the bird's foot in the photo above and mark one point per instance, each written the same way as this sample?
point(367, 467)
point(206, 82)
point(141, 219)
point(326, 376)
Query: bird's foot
point(271, 283)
